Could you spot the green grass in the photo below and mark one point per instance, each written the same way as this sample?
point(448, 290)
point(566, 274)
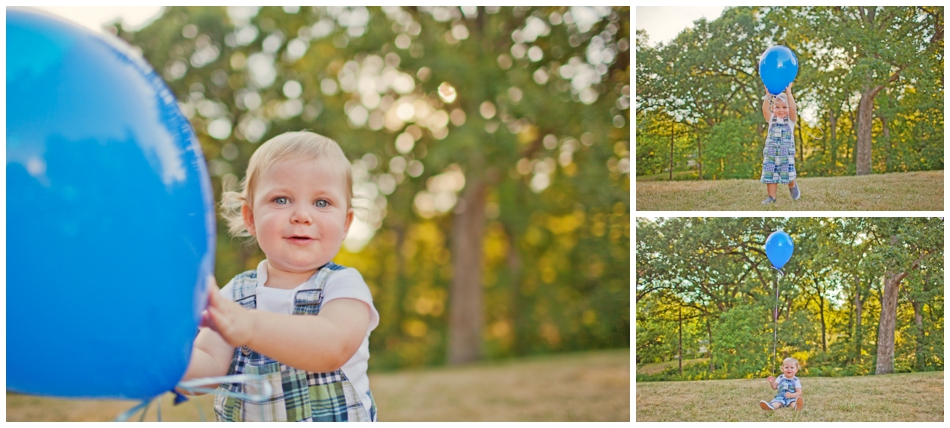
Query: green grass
point(909, 191)
point(901, 397)
point(587, 386)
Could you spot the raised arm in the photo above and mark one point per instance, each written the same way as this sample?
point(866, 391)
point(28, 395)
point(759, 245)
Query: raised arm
point(766, 111)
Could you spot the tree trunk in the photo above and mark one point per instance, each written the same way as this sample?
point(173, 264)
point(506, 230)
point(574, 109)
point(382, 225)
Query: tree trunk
point(919, 321)
point(887, 141)
point(517, 307)
point(833, 124)
point(821, 312)
point(712, 367)
point(885, 335)
point(465, 295)
point(681, 342)
point(858, 328)
point(671, 151)
point(863, 148)
point(699, 144)
point(801, 147)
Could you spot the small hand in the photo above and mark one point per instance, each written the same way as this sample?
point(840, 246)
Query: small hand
point(227, 318)
point(788, 395)
point(771, 379)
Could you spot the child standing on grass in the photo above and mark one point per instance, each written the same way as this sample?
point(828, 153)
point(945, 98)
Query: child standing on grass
point(778, 157)
point(788, 386)
point(299, 320)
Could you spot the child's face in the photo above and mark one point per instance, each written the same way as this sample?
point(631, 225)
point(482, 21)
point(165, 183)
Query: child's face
point(780, 108)
point(789, 369)
point(300, 214)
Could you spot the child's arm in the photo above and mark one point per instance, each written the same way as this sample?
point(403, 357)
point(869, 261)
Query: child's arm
point(321, 343)
point(772, 383)
point(797, 393)
point(766, 112)
point(211, 356)
point(792, 112)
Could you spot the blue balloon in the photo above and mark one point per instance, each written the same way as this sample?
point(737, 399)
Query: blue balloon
point(110, 221)
point(779, 247)
point(778, 68)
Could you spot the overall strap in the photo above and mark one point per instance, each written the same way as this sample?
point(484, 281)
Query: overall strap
point(309, 299)
point(244, 289)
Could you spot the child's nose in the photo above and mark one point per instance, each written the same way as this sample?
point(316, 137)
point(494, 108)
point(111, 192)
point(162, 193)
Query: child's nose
point(301, 216)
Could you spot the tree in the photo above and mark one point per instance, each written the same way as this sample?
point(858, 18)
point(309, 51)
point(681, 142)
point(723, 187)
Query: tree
point(878, 45)
point(445, 113)
point(906, 244)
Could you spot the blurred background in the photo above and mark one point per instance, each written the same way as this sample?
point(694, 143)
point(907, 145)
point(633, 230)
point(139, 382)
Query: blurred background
point(490, 151)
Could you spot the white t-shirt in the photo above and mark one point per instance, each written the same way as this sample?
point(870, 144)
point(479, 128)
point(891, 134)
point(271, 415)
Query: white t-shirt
point(346, 283)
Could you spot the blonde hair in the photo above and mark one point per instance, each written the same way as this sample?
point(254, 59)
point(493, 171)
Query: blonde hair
point(303, 145)
point(785, 361)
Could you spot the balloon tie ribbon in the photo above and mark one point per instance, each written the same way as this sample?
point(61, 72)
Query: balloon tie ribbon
point(194, 385)
point(775, 319)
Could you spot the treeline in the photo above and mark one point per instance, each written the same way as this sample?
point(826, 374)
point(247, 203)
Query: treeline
point(490, 151)
point(870, 80)
point(859, 295)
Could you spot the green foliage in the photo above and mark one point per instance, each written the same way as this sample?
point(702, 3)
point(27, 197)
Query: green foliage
point(741, 341)
point(707, 78)
point(717, 269)
point(429, 102)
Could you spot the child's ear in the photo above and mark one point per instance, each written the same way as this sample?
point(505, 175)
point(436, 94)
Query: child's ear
point(248, 215)
point(347, 222)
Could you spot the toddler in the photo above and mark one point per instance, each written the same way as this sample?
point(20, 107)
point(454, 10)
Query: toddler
point(788, 386)
point(299, 321)
point(778, 157)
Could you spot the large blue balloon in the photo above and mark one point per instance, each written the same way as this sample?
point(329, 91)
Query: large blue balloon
point(778, 68)
point(779, 247)
point(110, 217)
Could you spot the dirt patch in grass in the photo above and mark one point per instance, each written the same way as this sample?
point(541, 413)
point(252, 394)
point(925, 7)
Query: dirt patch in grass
point(910, 191)
point(906, 397)
point(588, 386)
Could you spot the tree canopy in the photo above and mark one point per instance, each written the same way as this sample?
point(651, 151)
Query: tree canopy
point(853, 288)
point(490, 152)
point(869, 88)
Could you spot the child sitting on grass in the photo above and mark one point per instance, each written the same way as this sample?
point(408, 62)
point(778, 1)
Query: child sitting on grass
point(788, 386)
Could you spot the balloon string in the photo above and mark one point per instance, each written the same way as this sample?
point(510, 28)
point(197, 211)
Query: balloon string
point(192, 386)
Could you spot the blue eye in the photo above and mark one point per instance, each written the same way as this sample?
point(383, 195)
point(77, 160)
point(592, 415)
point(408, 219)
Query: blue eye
point(322, 203)
point(281, 200)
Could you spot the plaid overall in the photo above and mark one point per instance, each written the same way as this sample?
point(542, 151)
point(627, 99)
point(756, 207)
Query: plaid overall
point(785, 385)
point(298, 395)
point(778, 157)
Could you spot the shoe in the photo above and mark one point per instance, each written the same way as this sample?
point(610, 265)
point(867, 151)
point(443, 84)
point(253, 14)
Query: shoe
point(765, 406)
point(768, 200)
point(795, 192)
point(799, 403)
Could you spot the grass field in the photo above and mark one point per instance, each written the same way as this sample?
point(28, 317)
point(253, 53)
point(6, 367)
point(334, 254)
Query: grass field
point(589, 386)
point(654, 368)
point(910, 191)
point(904, 397)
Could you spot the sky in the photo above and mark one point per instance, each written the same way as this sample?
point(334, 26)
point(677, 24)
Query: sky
point(93, 17)
point(664, 23)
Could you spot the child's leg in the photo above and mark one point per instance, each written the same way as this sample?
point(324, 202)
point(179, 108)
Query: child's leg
point(771, 189)
point(777, 404)
point(791, 184)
